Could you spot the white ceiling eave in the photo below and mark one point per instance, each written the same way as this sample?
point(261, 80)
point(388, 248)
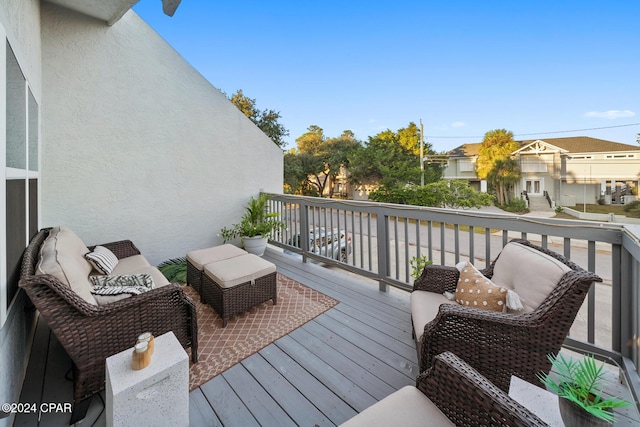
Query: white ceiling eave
point(109, 11)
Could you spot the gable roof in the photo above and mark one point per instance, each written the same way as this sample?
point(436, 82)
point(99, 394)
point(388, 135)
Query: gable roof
point(572, 144)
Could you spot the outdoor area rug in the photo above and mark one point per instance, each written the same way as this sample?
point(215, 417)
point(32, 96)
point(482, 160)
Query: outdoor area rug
point(220, 348)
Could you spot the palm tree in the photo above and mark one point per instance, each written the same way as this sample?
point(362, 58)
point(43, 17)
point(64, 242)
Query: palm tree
point(502, 176)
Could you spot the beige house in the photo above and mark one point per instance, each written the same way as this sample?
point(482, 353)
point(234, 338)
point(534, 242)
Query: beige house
point(566, 171)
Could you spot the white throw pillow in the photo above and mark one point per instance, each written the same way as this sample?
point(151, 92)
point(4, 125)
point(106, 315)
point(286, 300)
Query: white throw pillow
point(102, 259)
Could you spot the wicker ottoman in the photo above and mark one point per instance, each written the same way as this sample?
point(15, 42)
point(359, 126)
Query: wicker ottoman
point(196, 260)
point(235, 285)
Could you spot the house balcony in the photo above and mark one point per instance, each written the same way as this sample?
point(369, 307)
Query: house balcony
point(362, 350)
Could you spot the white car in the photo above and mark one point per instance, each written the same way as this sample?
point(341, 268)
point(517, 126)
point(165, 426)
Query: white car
point(334, 244)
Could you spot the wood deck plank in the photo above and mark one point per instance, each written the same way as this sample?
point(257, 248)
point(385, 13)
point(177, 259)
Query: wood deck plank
point(200, 411)
point(295, 404)
point(352, 394)
point(332, 406)
point(394, 369)
point(374, 386)
point(227, 406)
point(256, 399)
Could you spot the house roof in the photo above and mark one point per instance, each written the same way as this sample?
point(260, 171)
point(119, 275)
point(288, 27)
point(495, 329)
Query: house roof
point(572, 144)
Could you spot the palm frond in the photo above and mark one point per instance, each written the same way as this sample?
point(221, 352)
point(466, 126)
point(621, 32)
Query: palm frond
point(175, 269)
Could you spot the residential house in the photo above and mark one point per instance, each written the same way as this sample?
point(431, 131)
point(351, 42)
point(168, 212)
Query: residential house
point(569, 170)
point(107, 129)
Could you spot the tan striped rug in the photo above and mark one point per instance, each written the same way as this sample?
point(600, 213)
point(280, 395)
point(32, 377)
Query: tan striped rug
point(220, 348)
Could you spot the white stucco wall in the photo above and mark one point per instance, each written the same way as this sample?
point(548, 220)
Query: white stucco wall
point(20, 21)
point(137, 144)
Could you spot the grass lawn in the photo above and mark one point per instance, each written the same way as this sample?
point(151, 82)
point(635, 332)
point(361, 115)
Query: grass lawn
point(601, 209)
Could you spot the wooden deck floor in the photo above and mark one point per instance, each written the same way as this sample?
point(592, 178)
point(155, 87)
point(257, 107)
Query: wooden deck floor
point(320, 374)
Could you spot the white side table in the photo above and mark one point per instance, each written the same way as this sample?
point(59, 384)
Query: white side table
point(155, 395)
point(538, 400)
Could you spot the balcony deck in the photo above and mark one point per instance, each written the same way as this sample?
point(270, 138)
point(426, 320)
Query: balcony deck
point(322, 373)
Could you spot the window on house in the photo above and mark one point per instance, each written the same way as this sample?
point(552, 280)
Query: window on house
point(21, 171)
point(620, 156)
point(466, 165)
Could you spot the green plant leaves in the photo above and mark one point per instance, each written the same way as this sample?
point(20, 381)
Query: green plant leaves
point(175, 270)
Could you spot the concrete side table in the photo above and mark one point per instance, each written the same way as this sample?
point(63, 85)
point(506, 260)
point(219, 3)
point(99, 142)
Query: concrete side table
point(155, 395)
point(541, 402)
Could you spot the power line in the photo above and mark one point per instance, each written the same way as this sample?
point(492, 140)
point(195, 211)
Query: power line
point(540, 133)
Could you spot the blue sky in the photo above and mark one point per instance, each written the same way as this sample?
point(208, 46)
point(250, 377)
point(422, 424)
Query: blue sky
point(463, 67)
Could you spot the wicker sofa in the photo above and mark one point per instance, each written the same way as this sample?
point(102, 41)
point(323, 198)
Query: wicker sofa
point(501, 344)
point(90, 332)
point(447, 394)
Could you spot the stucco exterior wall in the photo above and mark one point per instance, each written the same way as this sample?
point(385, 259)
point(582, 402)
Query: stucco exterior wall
point(137, 144)
point(20, 20)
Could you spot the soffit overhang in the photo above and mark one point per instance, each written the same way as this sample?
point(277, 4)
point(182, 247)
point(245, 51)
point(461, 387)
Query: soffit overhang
point(109, 11)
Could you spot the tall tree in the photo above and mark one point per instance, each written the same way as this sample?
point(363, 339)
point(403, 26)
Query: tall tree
point(504, 174)
point(494, 163)
point(497, 145)
point(336, 155)
point(266, 120)
point(392, 159)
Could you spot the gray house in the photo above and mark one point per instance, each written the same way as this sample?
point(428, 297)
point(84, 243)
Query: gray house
point(108, 130)
point(567, 170)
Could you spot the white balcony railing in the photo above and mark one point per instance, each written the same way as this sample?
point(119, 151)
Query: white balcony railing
point(381, 239)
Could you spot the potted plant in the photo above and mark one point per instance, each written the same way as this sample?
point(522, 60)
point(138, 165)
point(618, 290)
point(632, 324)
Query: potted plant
point(578, 387)
point(255, 227)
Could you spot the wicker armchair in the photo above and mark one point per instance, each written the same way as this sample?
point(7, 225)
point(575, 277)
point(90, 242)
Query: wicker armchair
point(458, 392)
point(500, 344)
point(91, 333)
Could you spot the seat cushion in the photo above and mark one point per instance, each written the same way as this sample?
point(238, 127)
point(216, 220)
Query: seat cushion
point(130, 265)
point(407, 407)
point(529, 272)
point(424, 308)
point(199, 258)
point(234, 271)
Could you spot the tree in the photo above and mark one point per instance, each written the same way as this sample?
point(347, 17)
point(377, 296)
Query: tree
point(494, 165)
point(313, 167)
point(392, 159)
point(266, 120)
point(638, 138)
point(503, 175)
point(443, 194)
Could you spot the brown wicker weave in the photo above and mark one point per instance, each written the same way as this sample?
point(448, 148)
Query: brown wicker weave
point(228, 302)
point(499, 345)
point(91, 333)
point(469, 399)
point(194, 278)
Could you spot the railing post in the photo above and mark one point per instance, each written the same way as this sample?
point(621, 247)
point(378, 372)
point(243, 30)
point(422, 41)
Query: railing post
point(304, 230)
point(382, 227)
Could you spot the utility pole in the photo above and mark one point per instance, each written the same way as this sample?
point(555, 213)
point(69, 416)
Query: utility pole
point(421, 154)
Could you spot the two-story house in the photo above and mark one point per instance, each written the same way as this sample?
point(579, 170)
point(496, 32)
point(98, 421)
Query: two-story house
point(568, 170)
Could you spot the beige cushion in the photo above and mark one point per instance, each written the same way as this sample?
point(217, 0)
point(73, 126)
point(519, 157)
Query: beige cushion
point(407, 407)
point(158, 281)
point(234, 271)
point(63, 257)
point(529, 272)
point(130, 265)
point(424, 308)
point(476, 291)
point(202, 257)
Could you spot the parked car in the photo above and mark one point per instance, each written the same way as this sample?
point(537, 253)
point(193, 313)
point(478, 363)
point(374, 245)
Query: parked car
point(334, 244)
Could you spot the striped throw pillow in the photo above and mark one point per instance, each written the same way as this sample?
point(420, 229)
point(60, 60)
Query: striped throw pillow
point(102, 259)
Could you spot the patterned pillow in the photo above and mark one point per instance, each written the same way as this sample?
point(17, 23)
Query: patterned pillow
point(475, 290)
point(102, 259)
point(133, 284)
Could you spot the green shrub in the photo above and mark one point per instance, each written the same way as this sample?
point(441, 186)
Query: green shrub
point(559, 209)
point(418, 264)
point(515, 206)
point(633, 209)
